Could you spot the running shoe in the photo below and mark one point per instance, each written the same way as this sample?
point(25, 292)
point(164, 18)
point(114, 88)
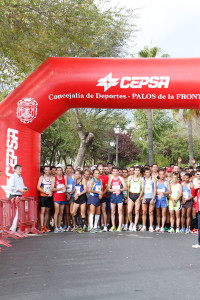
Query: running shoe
point(197, 246)
point(182, 230)
point(139, 227)
point(196, 231)
point(105, 229)
point(125, 227)
point(47, 229)
point(89, 228)
point(119, 228)
point(162, 229)
point(151, 229)
point(166, 229)
point(92, 230)
point(98, 230)
point(68, 229)
point(42, 229)
point(177, 230)
point(157, 229)
point(143, 229)
point(193, 230)
point(56, 230)
point(113, 228)
point(171, 230)
point(73, 229)
point(134, 228)
point(187, 231)
point(131, 227)
point(61, 229)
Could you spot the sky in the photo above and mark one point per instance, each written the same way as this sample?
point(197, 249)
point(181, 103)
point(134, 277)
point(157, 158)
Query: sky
point(172, 25)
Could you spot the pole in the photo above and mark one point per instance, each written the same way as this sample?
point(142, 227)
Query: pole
point(117, 138)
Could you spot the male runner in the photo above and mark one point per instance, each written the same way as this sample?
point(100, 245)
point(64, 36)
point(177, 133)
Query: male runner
point(196, 193)
point(135, 192)
point(58, 186)
point(163, 189)
point(116, 186)
point(187, 203)
point(125, 202)
point(154, 172)
point(44, 187)
point(148, 199)
point(69, 196)
point(53, 171)
point(104, 179)
point(175, 203)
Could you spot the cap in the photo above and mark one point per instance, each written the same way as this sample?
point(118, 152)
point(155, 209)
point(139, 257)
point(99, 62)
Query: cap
point(168, 169)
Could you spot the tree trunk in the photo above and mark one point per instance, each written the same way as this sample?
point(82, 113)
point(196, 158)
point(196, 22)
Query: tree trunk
point(84, 140)
point(150, 137)
point(190, 140)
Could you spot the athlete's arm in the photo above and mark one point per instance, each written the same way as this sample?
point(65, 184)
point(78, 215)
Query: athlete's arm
point(191, 197)
point(39, 185)
point(124, 185)
point(53, 189)
point(128, 187)
point(108, 187)
point(180, 193)
point(142, 189)
point(154, 189)
point(168, 189)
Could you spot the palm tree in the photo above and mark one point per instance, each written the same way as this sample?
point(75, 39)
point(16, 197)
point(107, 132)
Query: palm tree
point(188, 115)
point(150, 52)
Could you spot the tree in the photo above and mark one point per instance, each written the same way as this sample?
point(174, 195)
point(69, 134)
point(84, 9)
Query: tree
point(150, 52)
point(188, 115)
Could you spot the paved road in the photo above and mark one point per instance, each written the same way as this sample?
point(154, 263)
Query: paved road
point(101, 266)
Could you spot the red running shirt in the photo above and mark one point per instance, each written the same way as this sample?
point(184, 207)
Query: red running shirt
point(104, 179)
point(59, 195)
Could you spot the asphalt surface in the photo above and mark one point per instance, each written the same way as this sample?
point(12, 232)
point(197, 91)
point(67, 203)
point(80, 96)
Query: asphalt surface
point(101, 266)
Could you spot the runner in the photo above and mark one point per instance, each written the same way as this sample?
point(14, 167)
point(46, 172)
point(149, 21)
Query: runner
point(135, 192)
point(106, 170)
point(46, 199)
point(104, 179)
point(154, 172)
point(148, 199)
point(163, 189)
point(195, 191)
point(80, 199)
point(96, 192)
point(168, 174)
point(195, 208)
point(116, 186)
point(87, 176)
point(53, 171)
point(58, 186)
point(175, 203)
point(125, 202)
point(187, 203)
point(69, 197)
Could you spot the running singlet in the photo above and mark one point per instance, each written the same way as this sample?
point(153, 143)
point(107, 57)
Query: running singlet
point(148, 188)
point(174, 190)
point(162, 187)
point(79, 186)
point(70, 184)
point(59, 195)
point(104, 179)
point(135, 186)
point(116, 185)
point(96, 187)
point(46, 186)
point(186, 190)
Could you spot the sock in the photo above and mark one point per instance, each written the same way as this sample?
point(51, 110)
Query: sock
point(82, 222)
point(91, 217)
point(76, 220)
point(193, 223)
point(96, 220)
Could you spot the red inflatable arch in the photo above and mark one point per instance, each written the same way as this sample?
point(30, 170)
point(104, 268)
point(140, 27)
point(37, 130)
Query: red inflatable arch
point(63, 83)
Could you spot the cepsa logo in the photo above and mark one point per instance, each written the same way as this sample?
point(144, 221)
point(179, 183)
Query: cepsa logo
point(127, 82)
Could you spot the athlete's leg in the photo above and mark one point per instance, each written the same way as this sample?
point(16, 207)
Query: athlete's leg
point(130, 210)
point(151, 214)
point(120, 213)
point(83, 211)
point(137, 212)
point(144, 214)
point(171, 212)
point(164, 216)
point(97, 215)
point(158, 216)
point(71, 213)
point(103, 211)
point(74, 213)
point(91, 215)
point(42, 213)
point(183, 211)
point(113, 208)
point(61, 210)
point(46, 216)
point(56, 213)
point(178, 213)
point(189, 211)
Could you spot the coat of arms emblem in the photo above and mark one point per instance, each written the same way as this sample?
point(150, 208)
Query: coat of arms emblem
point(27, 109)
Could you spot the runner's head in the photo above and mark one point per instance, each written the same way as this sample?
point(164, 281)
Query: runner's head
point(53, 170)
point(106, 170)
point(78, 174)
point(154, 168)
point(120, 172)
point(176, 169)
point(96, 173)
point(191, 169)
point(147, 172)
point(182, 175)
point(192, 173)
point(115, 171)
point(187, 177)
point(161, 174)
point(175, 177)
point(169, 172)
point(86, 174)
point(18, 169)
point(47, 170)
point(198, 175)
point(69, 169)
point(132, 170)
point(125, 172)
point(59, 171)
point(137, 170)
point(100, 168)
point(109, 167)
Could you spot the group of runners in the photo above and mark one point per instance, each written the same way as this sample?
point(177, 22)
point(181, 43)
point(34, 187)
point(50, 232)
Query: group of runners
point(108, 198)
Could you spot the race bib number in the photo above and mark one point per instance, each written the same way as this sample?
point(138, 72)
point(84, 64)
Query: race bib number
point(69, 188)
point(185, 195)
point(148, 189)
point(47, 188)
point(98, 188)
point(78, 189)
point(115, 187)
point(174, 194)
point(135, 189)
point(60, 186)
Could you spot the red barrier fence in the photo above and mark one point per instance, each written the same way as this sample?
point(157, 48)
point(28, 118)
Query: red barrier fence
point(18, 217)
